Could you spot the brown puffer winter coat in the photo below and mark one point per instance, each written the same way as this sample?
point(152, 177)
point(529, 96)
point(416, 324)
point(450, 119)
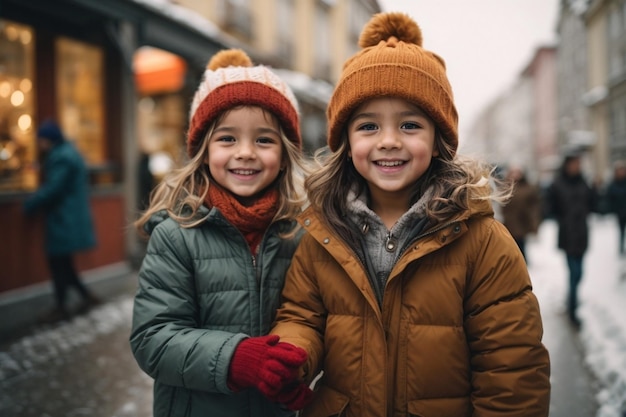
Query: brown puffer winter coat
point(459, 332)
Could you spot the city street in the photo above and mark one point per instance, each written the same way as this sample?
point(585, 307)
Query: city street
point(84, 367)
point(589, 366)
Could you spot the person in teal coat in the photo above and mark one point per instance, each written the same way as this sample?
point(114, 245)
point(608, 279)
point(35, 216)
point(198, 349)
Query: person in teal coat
point(63, 198)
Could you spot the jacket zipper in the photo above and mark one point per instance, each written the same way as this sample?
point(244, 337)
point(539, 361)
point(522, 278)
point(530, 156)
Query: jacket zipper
point(389, 237)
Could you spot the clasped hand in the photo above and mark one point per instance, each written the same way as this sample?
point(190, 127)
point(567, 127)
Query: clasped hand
point(272, 367)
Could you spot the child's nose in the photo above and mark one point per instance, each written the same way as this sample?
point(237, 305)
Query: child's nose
point(388, 139)
point(245, 150)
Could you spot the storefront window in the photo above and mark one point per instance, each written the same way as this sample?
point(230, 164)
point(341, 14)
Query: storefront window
point(17, 135)
point(161, 126)
point(79, 85)
point(162, 115)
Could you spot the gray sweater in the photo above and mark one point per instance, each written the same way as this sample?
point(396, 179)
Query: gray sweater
point(379, 247)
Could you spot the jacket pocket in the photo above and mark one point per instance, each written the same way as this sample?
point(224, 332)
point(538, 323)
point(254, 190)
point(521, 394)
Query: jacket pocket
point(440, 407)
point(327, 402)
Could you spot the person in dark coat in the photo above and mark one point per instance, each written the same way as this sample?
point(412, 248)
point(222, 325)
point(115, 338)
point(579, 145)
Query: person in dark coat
point(63, 199)
point(616, 194)
point(571, 200)
point(522, 213)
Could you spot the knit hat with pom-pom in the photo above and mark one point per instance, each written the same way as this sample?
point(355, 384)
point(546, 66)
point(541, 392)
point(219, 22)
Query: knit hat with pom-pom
point(393, 63)
point(231, 80)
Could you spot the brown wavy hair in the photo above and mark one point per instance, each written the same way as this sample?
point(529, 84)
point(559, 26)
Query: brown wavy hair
point(455, 181)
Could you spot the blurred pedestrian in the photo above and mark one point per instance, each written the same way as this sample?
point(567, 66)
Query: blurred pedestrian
point(63, 198)
point(616, 195)
point(522, 213)
point(571, 200)
point(222, 232)
point(406, 292)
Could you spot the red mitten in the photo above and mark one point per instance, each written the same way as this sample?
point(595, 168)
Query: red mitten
point(265, 363)
point(295, 396)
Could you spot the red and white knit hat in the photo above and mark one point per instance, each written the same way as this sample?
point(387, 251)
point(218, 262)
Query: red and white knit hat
point(231, 80)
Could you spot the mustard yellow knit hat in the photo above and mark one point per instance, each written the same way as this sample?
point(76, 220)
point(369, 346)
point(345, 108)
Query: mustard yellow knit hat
point(393, 63)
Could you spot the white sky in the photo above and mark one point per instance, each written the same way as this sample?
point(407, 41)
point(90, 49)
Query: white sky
point(486, 43)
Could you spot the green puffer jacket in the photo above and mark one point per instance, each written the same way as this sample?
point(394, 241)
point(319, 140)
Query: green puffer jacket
point(200, 293)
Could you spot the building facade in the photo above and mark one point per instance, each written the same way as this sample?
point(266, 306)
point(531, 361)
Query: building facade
point(616, 77)
point(72, 60)
point(579, 91)
point(574, 130)
point(545, 154)
point(518, 127)
point(596, 96)
point(592, 93)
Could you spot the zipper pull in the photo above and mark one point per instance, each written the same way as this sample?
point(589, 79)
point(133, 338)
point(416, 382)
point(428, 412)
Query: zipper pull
point(391, 243)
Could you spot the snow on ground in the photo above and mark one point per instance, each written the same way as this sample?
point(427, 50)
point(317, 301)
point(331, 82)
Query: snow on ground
point(51, 341)
point(602, 309)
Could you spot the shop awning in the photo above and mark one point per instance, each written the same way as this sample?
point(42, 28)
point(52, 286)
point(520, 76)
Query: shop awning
point(163, 25)
point(158, 71)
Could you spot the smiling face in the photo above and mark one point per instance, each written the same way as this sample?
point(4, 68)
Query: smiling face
point(392, 143)
point(245, 152)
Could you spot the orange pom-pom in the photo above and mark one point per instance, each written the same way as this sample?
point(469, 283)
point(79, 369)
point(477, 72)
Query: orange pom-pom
point(383, 26)
point(229, 58)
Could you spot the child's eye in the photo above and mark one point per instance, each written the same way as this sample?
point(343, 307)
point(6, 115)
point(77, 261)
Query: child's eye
point(226, 139)
point(367, 126)
point(410, 125)
point(266, 140)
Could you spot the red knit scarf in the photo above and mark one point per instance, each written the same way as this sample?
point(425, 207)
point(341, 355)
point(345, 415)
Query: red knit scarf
point(252, 221)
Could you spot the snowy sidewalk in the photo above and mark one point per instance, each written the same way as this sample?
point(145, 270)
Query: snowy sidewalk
point(602, 295)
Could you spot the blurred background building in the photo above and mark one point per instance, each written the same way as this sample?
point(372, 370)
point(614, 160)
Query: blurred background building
point(570, 97)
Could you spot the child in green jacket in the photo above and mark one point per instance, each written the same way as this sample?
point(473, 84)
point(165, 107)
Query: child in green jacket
point(222, 234)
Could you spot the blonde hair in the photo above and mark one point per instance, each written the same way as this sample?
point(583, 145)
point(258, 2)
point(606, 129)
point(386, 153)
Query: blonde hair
point(183, 190)
point(454, 179)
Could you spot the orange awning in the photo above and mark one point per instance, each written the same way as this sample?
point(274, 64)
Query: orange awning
point(158, 71)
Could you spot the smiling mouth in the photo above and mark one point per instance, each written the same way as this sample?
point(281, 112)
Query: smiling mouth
point(244, 171)
point(389, 163)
